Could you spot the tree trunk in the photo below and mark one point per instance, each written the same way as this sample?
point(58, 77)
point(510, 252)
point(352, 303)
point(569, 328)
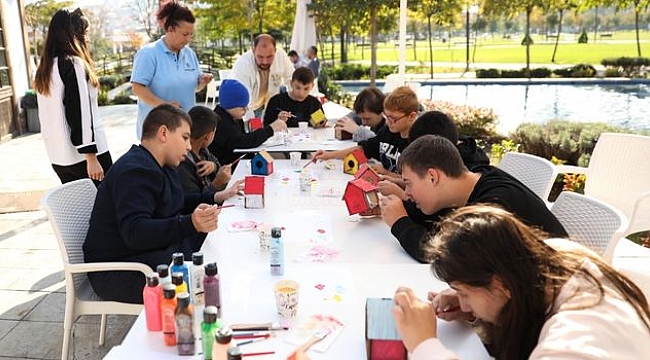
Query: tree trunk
point(430, 45)
point(529, 10)
point(373, 45)
point(557, 38)
point(636, 28)
point(344, 54)
point(415, 52)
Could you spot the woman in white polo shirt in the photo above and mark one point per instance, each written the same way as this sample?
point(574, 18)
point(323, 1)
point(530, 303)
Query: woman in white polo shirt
point(67, 89)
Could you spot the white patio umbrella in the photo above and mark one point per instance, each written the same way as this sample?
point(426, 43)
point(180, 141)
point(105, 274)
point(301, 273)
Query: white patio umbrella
point(304, 28)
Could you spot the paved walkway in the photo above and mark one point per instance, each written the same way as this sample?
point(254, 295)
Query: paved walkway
point(32, 292)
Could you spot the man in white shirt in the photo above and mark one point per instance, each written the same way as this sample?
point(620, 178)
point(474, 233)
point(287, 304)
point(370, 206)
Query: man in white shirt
point(262, 70)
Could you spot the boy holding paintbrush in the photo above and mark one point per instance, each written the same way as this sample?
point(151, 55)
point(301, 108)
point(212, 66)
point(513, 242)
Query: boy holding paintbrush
point(296, 105)
point(201, 172)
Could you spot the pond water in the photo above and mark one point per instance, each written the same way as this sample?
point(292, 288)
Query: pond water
point(624, 105)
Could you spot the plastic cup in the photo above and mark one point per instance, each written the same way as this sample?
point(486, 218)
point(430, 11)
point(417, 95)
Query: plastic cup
point(294, 156)
point(302, 127)
point(286, 298)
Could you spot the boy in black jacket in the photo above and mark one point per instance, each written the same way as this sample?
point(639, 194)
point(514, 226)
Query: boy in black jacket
point(233, 104)
point(437, 181)
point(139, 207)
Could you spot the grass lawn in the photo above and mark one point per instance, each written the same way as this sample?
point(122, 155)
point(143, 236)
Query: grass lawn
point(499, 50)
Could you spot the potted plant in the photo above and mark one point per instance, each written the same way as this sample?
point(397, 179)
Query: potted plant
point(30, 105)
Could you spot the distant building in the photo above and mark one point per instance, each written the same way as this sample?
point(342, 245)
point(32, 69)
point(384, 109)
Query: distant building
point(15, 67)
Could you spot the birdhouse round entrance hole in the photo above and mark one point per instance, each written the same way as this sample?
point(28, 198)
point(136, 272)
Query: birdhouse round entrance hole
point(259, 164)
point(351, 163)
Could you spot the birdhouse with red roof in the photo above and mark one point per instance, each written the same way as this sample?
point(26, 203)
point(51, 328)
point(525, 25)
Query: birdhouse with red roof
point(353, 160)
point(262, 164)
point(367, 173)
point(254, 192)
point(360, 196)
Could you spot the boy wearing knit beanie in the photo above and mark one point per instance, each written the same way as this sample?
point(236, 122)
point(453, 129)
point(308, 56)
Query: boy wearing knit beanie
point(233, 104)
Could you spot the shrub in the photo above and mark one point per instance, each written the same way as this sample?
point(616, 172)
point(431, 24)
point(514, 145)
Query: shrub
point(612, 72)
point(122, 98)
point(102, 98)
point(583, 70)
point(108, 82)
point(488, 73)
point(540, 72)
point(513, 73)
point(583, 39)
point(628, 66)
point(572, 142)
point(499, 149)
point(479, 123)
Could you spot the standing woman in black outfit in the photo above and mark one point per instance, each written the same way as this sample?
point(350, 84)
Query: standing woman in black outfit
point(67, 88)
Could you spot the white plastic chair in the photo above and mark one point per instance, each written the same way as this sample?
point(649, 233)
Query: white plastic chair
point(212, 92)
point(538, 174)
point(590, 222)
point(68, 207)
point(619, 174)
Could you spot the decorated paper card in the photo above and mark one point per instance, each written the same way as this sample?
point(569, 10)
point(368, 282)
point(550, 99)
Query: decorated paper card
point(303, 331)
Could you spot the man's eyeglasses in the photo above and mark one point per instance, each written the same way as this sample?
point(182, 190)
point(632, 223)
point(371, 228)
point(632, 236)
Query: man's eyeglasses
point(392, 118)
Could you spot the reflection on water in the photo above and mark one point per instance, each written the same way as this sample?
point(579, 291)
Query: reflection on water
point(621, 105)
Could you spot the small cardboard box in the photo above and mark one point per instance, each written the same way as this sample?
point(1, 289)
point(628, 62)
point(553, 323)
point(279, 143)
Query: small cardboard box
point(383, 342)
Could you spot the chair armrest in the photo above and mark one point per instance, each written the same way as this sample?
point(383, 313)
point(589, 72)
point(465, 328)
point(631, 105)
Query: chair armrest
point(109, 266)
point(570, 169)
point(637, 206)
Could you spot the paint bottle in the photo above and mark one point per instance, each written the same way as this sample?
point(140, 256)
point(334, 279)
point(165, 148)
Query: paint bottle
point(209, 327)
point(163, 274)
point(152, 297)
point(277, 252)
point(178, 265)
point(211, 285)
point(198, 273)
point(222, 340)
point(167, 309)
point(184, 317)
point(179, 282)
point(234, 353)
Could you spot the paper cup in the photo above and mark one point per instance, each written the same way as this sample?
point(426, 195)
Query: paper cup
point(286, 298)
point(294, 156)
point(302, 127)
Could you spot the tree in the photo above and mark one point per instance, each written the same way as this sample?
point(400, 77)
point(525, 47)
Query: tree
point(38, 15)
point(146, 12)
point(440, 12)
point(561, 6)
point(639, 6)
point(511, 8)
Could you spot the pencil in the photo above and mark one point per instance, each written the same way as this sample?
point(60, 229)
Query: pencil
point(254, 340)
point(225, 206)
point(250, 335)
point(259, 353)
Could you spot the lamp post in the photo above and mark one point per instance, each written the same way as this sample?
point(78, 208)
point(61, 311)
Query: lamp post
point(473, 10)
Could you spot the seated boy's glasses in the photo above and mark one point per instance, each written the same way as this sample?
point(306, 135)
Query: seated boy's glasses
point(392, 118)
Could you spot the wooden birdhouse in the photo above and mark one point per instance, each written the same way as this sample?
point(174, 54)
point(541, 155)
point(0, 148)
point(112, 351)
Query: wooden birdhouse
point(360, 196)
point(353, 160)
point(255, 123)
point(367, 173)
point(318, 119)
point(254, 192)
point(383, 342)
point(262, 164)
point(342, 134)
